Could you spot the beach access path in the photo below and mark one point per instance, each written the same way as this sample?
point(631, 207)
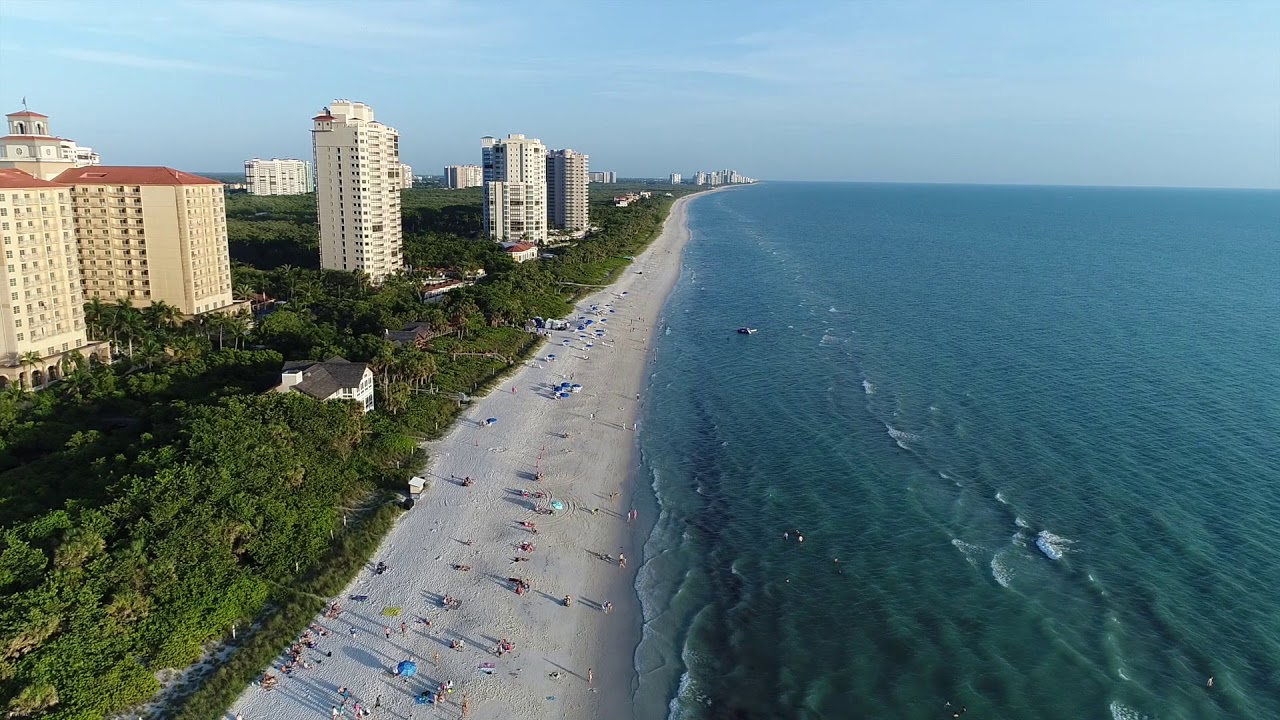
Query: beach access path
point(583, 446)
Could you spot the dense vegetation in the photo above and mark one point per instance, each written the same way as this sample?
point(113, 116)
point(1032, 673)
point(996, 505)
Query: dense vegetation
point(150, 505)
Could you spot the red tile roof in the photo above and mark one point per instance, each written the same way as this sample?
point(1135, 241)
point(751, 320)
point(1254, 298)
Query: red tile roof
point(521, 247)
point(32, 137)
point(26, 113)
point(324, 117)
point(122, 175)
point(14, 178)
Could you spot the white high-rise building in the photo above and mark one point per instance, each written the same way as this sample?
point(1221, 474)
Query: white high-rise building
point(457, 177)
point(406, 176)
point(603, 176)
point(358, 182)
point(567, 207)
point(675, 178)
point(278, 176)
point(515, 189)
point(31, 148)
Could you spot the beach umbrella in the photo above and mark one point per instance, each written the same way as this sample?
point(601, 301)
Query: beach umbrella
point(576, 387)
point(491, 421)
point(557, 505)
point(407, 668)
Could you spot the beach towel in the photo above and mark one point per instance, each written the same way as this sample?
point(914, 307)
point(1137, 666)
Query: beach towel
point(391, 611)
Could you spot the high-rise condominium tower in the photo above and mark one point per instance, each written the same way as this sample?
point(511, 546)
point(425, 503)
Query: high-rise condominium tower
point(457, 177)
point(358, 182)
point(567, 190)
point(515, 189)
point(278, 177)
point(42, 305)
point(149, 234)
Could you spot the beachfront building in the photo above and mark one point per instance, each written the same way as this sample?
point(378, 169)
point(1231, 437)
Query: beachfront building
point(406, 176)
point(675, 178)
point(278, 176)
point(32, 148)
point(521, 251)
point(358, 183)
point(457, 177)
point(333, 379)
point(42, 307)
point(147, 234)
point(567, 207)
point(515, 189)
point(603, 176)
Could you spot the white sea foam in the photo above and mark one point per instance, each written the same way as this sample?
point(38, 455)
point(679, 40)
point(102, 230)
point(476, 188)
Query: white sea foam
point(869, 387)
point(902, 437)
point(828, 340)
point(833, 309)
point(1020, 522)
point(1000, 498)
point(1051, 545)
point(1000, 571)
point(971, 551)
point(1120, 712)
point(943, 475)
point(1019, 538)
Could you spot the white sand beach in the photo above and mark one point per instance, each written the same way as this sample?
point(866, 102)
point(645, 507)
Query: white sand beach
point(545, 675)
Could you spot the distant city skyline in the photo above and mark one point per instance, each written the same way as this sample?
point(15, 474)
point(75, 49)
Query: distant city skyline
point(1092, 93)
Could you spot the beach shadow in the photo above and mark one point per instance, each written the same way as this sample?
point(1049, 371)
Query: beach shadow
point(364, 657)
point(566, 670)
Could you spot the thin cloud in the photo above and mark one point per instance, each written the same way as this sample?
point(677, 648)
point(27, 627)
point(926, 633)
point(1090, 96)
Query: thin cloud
point(105, 57)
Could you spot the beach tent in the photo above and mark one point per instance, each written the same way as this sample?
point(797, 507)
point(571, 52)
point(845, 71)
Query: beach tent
point(557, 505)
point(407, 668)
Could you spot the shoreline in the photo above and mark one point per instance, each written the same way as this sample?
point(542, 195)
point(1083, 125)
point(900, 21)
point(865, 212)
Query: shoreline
point(591, 473)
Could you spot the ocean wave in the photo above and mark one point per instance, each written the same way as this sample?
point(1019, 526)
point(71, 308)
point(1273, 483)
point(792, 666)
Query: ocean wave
point(828, 340)
point(1000, 571)
point(1019, 538)
point(1051, 545)
point(833, 309)
point(1120, 712)
point(1020, 522)
point(902, 437)
point(869, 387)
point(1000, 498)
point(971, 551)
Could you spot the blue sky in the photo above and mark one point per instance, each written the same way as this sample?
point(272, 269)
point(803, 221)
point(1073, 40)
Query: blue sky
point(1101, 93)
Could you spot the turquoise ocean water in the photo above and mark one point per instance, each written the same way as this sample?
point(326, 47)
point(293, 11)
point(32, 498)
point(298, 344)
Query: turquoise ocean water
point(1039, 428)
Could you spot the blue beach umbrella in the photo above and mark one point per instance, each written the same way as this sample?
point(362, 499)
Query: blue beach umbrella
point(491, 421)
point(557, 505)
point(407, 668)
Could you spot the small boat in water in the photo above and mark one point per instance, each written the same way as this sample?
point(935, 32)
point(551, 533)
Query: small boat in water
point(747, 331)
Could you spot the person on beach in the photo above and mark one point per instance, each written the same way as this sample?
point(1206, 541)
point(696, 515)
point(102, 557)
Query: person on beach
point(404, 627)
point(386, 632)
point(622, 560)
point(591, 676)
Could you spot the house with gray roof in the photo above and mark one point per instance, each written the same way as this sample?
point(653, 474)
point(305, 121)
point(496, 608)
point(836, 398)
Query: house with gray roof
point(332, 379)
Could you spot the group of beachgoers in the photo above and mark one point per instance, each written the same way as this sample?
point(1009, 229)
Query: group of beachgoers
point(298, 656)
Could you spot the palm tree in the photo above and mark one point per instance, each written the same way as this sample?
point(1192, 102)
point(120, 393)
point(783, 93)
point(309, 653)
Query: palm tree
point(245, 291)
point(150, 351)
point(162, 316)
point(30, 359)
point(126, 322)
point(97, 317)
point(238, 326)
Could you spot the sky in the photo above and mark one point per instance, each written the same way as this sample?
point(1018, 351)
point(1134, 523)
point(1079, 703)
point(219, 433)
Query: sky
point(1092, 93)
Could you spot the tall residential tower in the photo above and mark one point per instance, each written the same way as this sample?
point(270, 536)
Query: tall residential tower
point(149, 234)
point(515, 189)
point(42, 305)
point(358, 182)
point(567, 190)
point(278, 177)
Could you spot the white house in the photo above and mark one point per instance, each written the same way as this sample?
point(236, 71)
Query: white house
point(333, 379)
